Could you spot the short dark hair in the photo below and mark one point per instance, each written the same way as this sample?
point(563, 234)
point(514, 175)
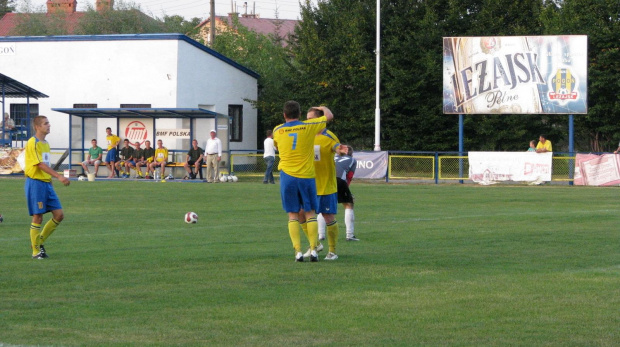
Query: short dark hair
point(292, 110)
point(268, 133)
point(93, 140)
point(543, 136)
point(317, 112)
point(108, 128)
point(126, 140)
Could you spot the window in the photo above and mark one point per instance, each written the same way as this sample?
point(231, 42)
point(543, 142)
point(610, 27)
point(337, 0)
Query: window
point(20, 115)
point(84, 105)
point(135, 105)
point(236, 122)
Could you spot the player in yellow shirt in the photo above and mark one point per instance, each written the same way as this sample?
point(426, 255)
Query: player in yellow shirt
point(40, 194)
point(161, 158)
point(326, 145)
point(295, 141)
point(543, 145)
point(110, 158)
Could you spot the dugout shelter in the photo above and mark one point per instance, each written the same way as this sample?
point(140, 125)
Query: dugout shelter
point(11, 88)
point(141, 124)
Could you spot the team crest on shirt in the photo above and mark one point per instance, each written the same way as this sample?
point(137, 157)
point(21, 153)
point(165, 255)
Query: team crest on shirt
point(47, 158)
point(317, 153)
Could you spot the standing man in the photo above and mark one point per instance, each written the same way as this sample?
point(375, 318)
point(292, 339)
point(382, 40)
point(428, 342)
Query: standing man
point(138, 159)
point(214, 155)
point(40, 193)
point(326, 144)
point(194, 157)
point(161, 159)
point(95, 154)
point(295, 141)
point(543, 145)
point(270, 157)
point(345, 169)
point(7, 126)
point(149, 155)
point(110, 158)
point(126, 156)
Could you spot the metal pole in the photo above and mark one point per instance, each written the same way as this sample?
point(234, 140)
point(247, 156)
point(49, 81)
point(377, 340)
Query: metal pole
point(378, 81)
point(571, 150)
point(461, 146)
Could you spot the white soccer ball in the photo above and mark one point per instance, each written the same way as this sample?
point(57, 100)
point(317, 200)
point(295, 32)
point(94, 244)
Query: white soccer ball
point(223, 178)
point(234, 178)
point(191, 218)
point(82, 178)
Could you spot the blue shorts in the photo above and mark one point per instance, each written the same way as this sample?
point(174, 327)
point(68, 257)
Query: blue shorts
point(41, 197)
point(131, 162)
point(111, 156)
point(297, 193)
point(328, 203)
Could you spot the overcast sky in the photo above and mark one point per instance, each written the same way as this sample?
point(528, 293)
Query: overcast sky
point(287, 9)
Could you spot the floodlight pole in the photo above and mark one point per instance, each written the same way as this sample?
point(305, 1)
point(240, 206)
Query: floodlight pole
point(378, 81)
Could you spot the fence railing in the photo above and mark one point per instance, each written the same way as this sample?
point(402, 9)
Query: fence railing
point(417, 166)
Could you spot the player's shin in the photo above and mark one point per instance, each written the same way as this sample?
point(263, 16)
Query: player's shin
point(293, 231)
point(332, 235)
point(48, 229)
point(313, 232)
point(349, 221)
point(35, 231)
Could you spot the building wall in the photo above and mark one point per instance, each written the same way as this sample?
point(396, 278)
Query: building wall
point(110, 71)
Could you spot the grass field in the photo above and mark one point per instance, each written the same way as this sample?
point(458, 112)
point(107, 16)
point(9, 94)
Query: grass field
point(437, 265)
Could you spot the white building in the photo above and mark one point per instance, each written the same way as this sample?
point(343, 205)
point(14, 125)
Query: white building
point(131, 71)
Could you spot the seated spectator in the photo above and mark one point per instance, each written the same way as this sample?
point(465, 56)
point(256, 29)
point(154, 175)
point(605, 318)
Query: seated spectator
point(532, 146)
point(194, 158)
point(149, 155)
point(138, 160)
point(125, 156)
point(95, 154)
point(8, 125)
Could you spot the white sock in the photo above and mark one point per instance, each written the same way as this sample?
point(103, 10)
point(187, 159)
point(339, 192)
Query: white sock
point(322, 226)
point(349, 221)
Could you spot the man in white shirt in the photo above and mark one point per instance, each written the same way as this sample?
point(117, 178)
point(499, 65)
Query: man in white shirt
point(270, 157)
point(213, 150)
point(8, 125)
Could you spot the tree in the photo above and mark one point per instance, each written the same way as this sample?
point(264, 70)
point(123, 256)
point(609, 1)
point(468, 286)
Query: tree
point(126, 18)
point(6, 6)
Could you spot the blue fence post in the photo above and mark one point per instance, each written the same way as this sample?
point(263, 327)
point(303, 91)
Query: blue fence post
point(571, 150)
point(461, 147)
point(436, 167)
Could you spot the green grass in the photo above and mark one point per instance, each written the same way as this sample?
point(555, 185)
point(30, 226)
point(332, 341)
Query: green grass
point(437, 265)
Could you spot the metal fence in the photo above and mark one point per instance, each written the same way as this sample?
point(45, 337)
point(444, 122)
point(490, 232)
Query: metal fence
point(434, 167)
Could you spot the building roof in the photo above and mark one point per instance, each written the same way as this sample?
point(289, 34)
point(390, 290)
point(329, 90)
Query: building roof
point(132, 37)
point(10, 21)
point(11, 88)
point(265, 26)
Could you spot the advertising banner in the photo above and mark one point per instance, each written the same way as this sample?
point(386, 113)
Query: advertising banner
point(515, 75)
point(597, 170)
point(371, 164)
point(136, 130)
point(492, 167)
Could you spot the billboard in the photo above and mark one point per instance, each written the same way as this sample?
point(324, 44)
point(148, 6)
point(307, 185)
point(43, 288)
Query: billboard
point(515, 75)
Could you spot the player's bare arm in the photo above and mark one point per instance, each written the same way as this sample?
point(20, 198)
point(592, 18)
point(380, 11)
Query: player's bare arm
point(53, 173)
point(327, 112)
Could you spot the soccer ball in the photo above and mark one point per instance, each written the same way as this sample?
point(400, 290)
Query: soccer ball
point(82, 178)
point(191, 218)
point(234, 178)
point(223, 178)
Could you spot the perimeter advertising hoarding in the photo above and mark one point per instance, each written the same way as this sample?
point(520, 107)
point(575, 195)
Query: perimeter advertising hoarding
point(515, 75)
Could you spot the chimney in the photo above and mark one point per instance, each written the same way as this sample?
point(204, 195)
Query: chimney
point(61, 6)
point(104, 5)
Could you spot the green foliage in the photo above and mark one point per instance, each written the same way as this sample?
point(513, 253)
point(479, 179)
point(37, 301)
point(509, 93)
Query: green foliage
point(456, 266)
point(126, 18)
point(178, 24)
point(271, 60)
point(6, 6)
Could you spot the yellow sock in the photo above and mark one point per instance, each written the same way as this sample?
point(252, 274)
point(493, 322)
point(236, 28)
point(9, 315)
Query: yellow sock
point(313, 232)
point(48, 229)
point(332, 235)
point(35, 231)
point(293, 231)
point(304, 227)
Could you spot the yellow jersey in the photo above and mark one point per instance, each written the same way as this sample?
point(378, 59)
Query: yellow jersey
point(37, 151)
point(325, 145)
point(546, 146)
point(161, 154)
point(295, 142)
point(113, 141)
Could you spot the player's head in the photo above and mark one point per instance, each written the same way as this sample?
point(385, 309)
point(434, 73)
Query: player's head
point(314, 112)
point(349, 151)
point(6, 115)
point(147, 144)
point(126, 143)
point(268, 133)
point(41, 124)
point(93, 142)
point(160, 143)
point(108, 131)
point(292, 110)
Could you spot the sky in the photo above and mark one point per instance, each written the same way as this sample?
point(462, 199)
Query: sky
point(287, 9)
